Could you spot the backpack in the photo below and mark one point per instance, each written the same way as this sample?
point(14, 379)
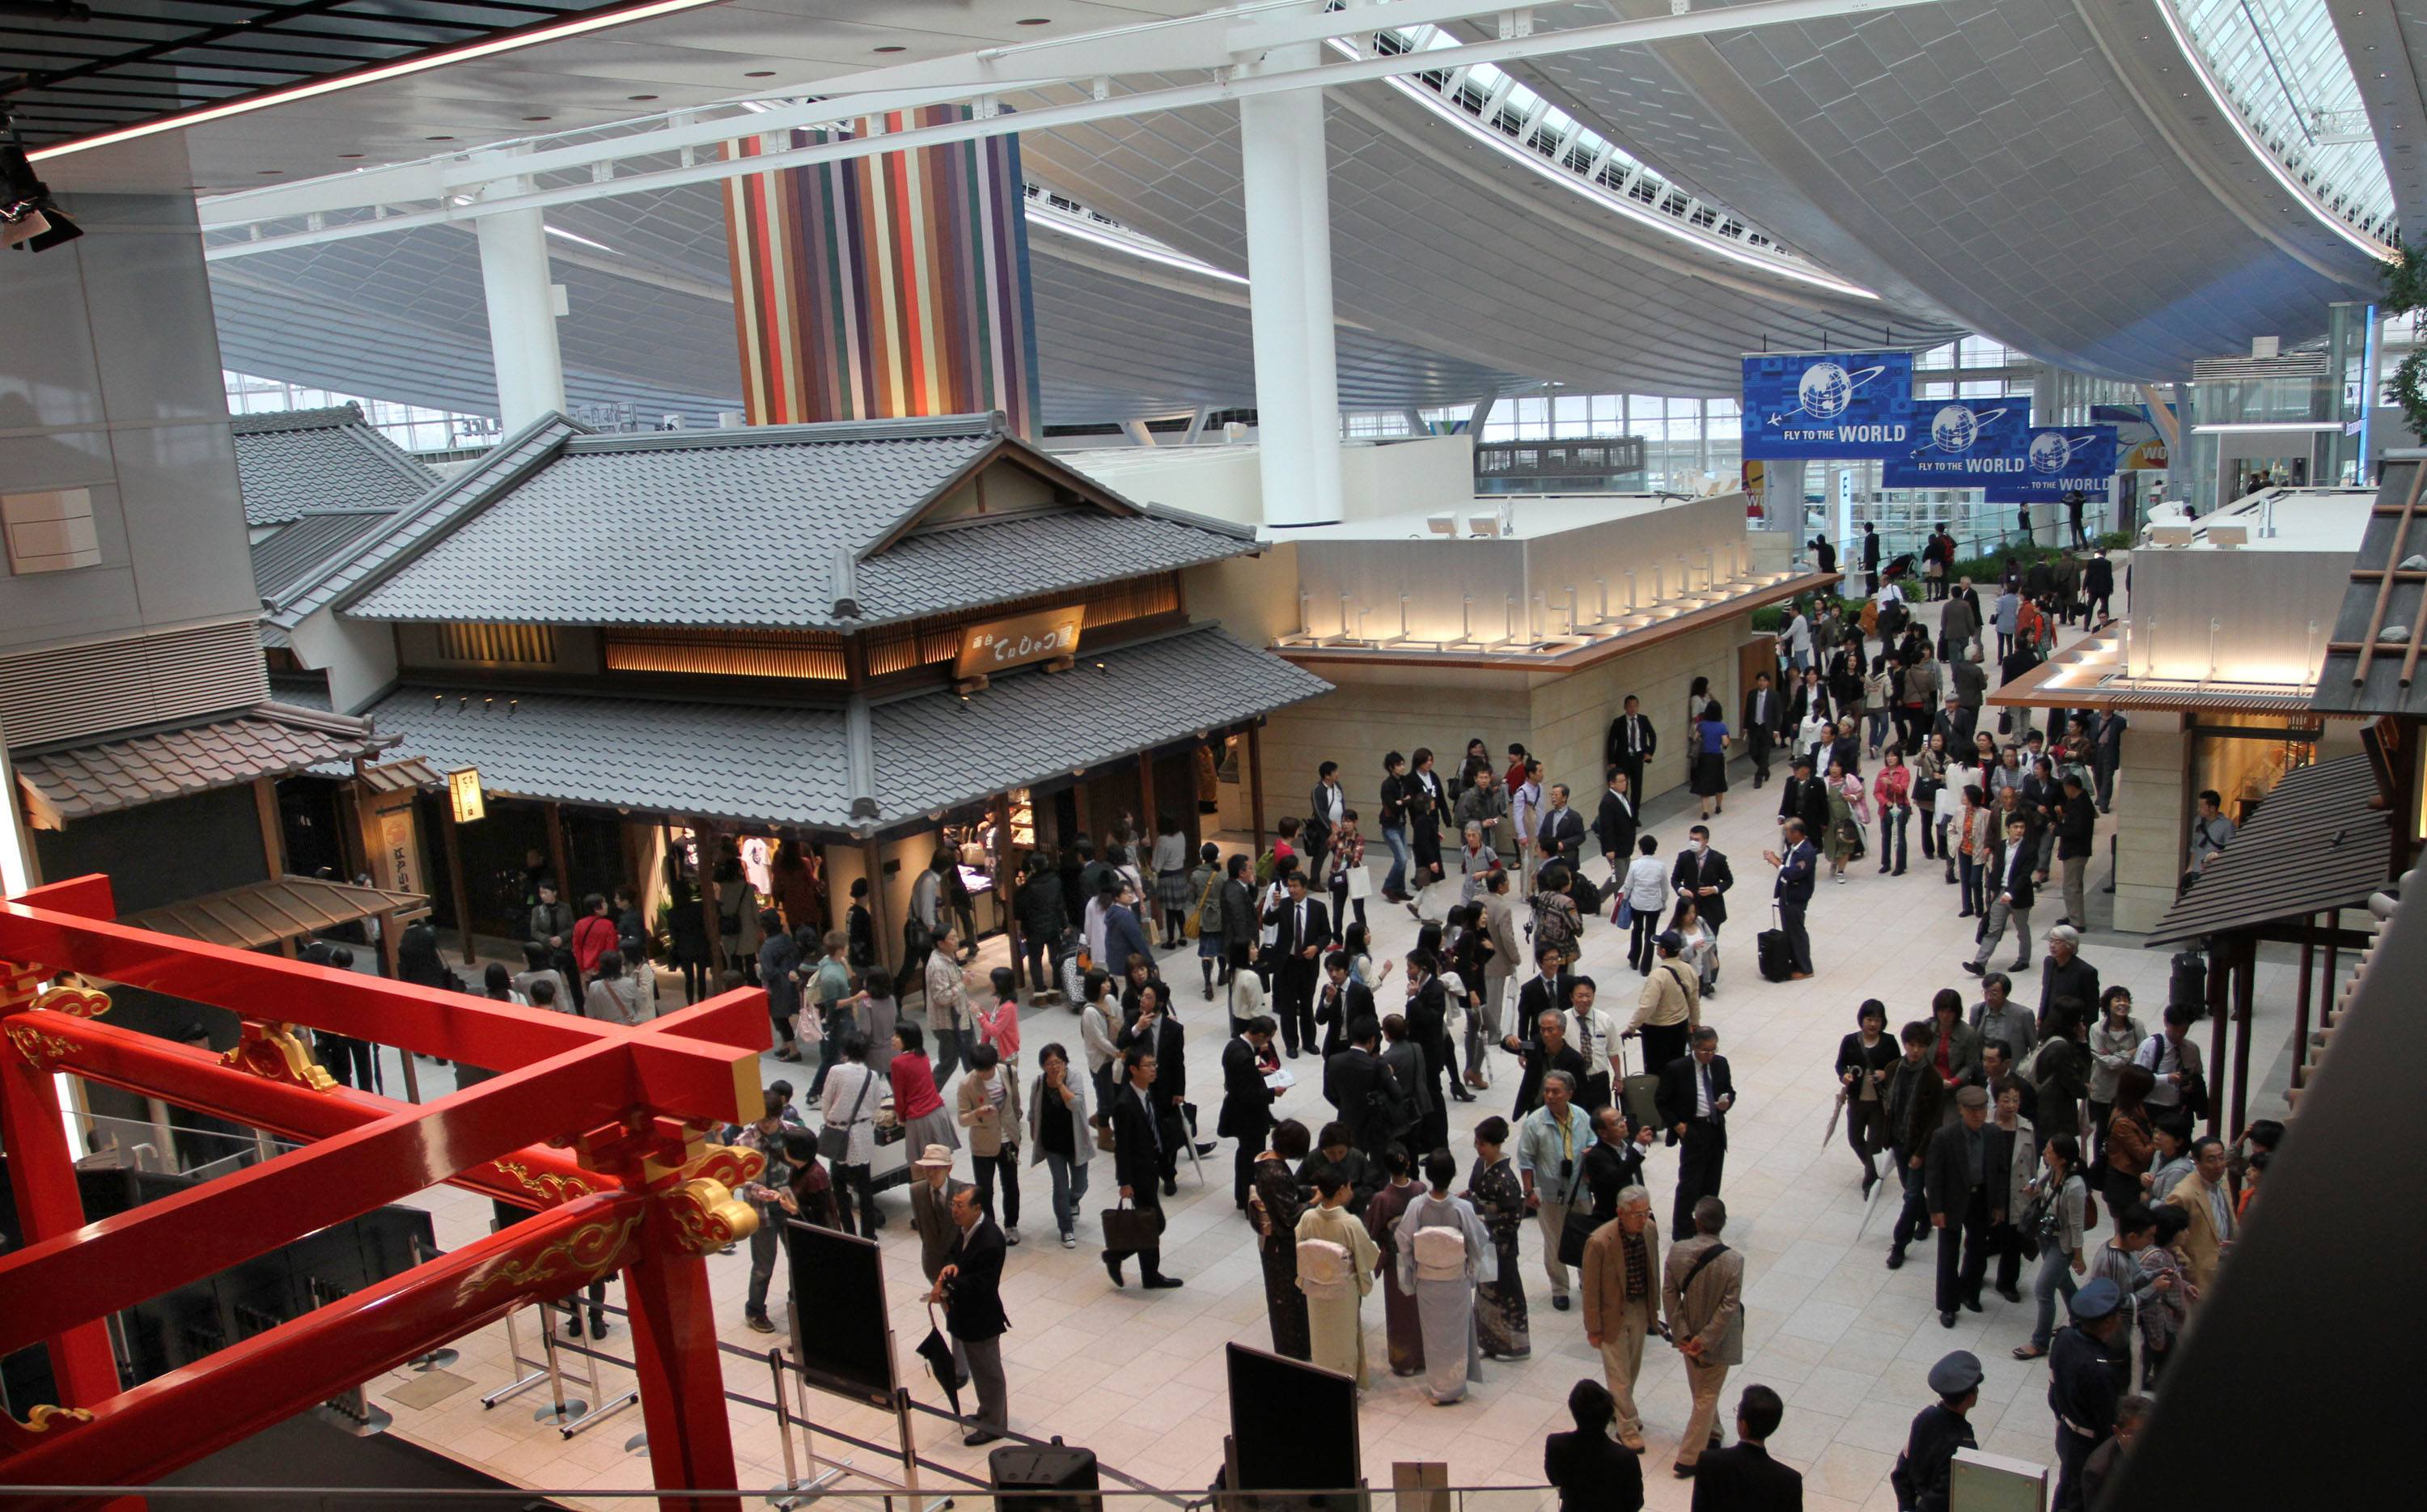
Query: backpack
point(1264, 868)
point(1441, 1254)
point(1551, 926)
point(1325, 1270)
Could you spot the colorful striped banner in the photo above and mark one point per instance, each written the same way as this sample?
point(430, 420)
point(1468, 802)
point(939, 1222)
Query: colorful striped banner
point(888, 286)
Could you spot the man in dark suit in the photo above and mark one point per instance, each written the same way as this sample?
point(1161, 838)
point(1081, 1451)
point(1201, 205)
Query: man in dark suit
point(1808, 696)
point(2010, 896)
point(1139, 1156)
point(1797, 867)
point(2098, 588)
point(1614, 826)
point(1239, 924)
point(1696, 1093)
point(1544, 1050)
point(1324, 807)
point(1745, 1478)
point(1955, 1178)
point(1631, 744)
point(1340, 1002)
point(1764, 710)
point(1871, 555)
point(1362, 1091)
point(1246, 1101)
point(1804, 797)
point(1562, 836)
point(1591, 1470)
point(1159, 1034)
point(970, 1288)
point(1703, 877)
point(1303, 931)
point(1548, 990)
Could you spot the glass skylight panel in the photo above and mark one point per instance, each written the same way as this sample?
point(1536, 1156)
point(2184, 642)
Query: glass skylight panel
point(2283, 68)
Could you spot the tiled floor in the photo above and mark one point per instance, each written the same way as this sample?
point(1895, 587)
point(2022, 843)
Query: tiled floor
point(1138, 1377)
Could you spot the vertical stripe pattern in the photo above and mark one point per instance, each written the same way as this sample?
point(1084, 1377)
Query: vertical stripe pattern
point(888, 286)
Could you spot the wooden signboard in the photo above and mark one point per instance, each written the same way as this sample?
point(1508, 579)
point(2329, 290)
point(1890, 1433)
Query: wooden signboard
point(1000, 646)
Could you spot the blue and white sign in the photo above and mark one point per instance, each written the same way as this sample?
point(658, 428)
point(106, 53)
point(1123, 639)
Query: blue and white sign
point(1967, 444)
point(1828, 404)
point(2059, 460)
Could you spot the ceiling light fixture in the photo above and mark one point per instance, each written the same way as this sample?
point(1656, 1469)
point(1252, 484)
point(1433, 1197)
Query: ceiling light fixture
point(892, 47)
point(580, 240)
point(399, 68)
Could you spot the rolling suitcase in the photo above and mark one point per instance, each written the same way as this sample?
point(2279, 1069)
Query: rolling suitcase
point(1639, 1096)
point(1773, 955)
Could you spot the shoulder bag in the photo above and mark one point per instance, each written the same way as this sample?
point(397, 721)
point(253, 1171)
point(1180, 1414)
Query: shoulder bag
point(1696, 1269)
point(834, 1140)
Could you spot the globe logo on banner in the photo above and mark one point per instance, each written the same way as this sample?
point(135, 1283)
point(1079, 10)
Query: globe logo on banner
point(1820, 404)
point(1958, 428)
point(2052, 451)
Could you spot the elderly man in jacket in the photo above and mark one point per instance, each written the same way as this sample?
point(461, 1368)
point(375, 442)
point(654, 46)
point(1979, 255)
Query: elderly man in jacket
point(2208, 1205)
point(1622, 1268)
point(1702, 1295)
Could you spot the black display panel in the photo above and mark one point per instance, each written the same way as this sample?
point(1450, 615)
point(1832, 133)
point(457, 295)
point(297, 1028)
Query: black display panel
point(840, 1333)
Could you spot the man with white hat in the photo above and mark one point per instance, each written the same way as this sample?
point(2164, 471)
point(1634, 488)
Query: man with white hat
point(930, 1216)
point(1924, 1471)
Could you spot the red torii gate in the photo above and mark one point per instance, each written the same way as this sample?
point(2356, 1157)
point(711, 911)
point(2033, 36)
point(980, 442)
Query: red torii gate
point(643, 1190)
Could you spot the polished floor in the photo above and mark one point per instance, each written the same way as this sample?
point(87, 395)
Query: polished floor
point(1138, 1377)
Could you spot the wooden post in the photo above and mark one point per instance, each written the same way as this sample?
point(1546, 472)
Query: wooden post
point(1145, 801)
point(273, 841)
point(703, 837)
point(1005, 885)
point(1254, 777)
point(455, 880)
point(556, 858)
point(876, 911)
point(2245, 983)
point(2300, 1000)
point(2221, 958)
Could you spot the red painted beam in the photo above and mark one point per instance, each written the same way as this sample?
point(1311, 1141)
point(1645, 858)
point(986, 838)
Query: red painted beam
point(681, 1376)
point(179, 1418)
point(191, 1078)
point(104, 1267)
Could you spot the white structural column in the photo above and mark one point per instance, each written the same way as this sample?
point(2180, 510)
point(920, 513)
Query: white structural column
point(1289, 292)
point(522, 314)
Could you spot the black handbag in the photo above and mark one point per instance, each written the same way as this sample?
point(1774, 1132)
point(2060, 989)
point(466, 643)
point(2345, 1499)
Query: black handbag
point(1575, 1233)
point(1132, 1228)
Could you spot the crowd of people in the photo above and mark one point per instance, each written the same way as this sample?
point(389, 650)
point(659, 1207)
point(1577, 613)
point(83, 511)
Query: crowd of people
point(2015, 1125)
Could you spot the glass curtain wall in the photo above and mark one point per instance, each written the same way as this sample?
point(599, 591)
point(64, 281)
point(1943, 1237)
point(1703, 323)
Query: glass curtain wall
point(409, 426)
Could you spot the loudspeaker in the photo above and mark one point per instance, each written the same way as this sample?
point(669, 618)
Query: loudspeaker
point(1054, 1468)
point(2189, 983)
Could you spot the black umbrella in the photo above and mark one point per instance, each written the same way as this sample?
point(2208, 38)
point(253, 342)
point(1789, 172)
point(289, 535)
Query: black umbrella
point(937, 1351)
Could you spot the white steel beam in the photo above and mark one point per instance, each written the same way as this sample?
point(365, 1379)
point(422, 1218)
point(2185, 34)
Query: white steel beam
point(470, 176)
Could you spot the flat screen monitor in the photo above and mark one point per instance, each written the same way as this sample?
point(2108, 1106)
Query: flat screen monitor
point(1292, 1425)
point(840, 1333)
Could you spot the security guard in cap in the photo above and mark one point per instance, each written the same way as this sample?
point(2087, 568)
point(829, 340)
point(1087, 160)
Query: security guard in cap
point(1923, 1470)
point(2082, 1385)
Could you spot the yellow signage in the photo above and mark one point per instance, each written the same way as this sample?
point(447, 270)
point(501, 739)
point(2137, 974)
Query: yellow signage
point(464, 792)
point(1003, 644)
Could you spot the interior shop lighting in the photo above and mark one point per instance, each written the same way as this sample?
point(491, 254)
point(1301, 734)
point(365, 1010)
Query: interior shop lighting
point(554, 31)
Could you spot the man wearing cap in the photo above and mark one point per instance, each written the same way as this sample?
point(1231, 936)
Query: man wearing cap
point(1924, 1471)
point(1955, 1183)
point(2082, 1385)
point(931, 1218)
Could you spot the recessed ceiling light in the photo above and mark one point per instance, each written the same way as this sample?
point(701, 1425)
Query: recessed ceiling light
point(892, 47)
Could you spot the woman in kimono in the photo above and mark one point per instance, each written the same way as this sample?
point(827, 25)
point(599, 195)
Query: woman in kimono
point(1335, 1270)
point(1276, 1202)
point(1443, 1284)
point(1382, 1213)
point(1499, 1201)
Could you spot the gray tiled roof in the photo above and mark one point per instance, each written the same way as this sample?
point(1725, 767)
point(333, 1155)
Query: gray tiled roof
point(935, 750)
point(308, 462)
point(124, 771)
point(768, 526)
point(288, 557)
point(781, 765)
point(501, 466)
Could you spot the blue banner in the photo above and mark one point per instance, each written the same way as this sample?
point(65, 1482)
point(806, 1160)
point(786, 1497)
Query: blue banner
point(1828, 404)
point(1963, 444)
point(2060, 459)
